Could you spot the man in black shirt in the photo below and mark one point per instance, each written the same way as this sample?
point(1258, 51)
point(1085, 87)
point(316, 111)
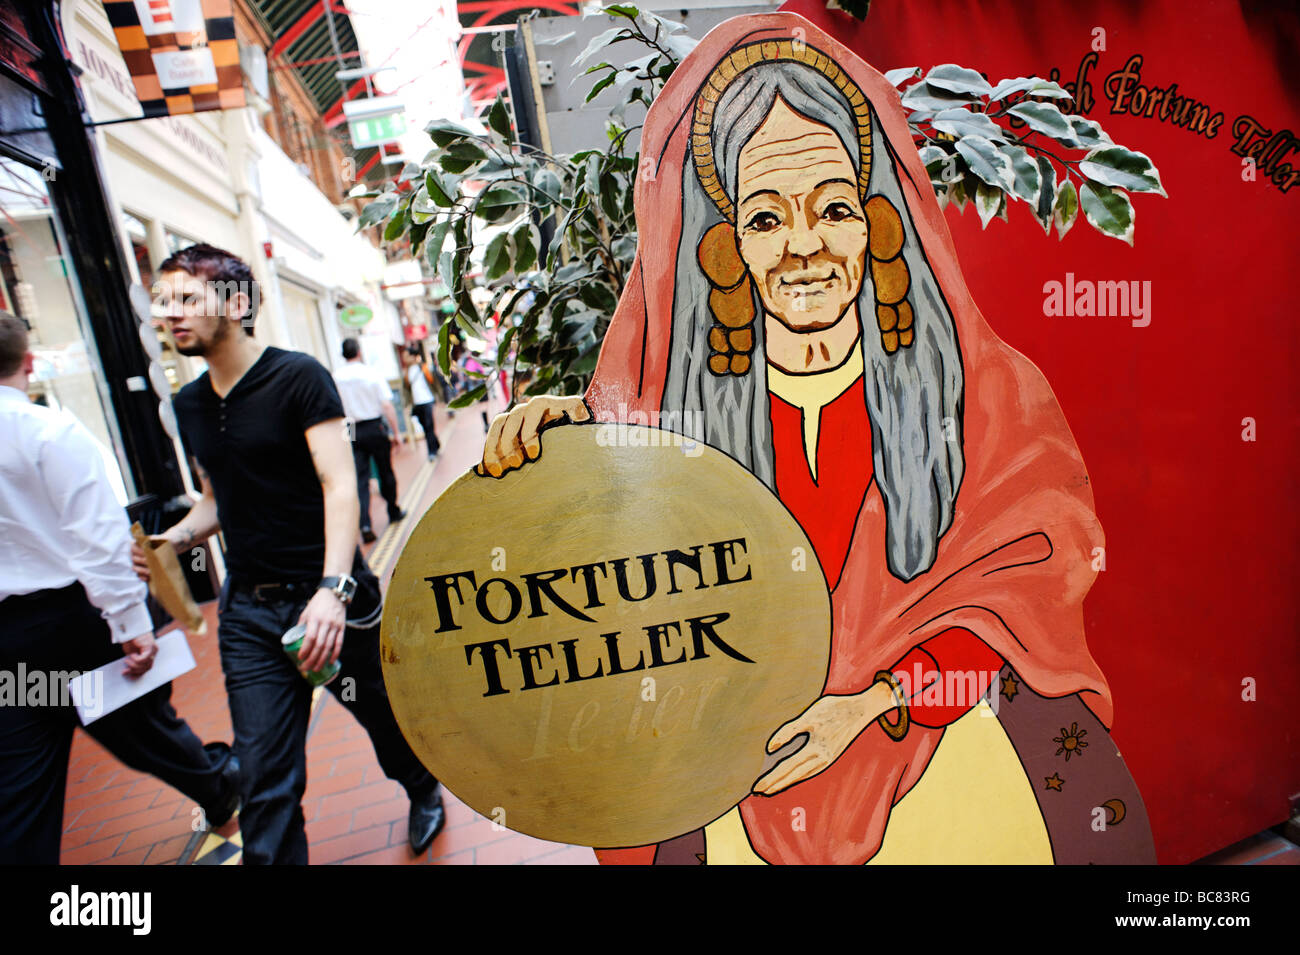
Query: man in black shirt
point(267, 431)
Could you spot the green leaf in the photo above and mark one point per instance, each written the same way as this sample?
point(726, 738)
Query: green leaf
point(1066, 208)
point(962, 122)
point(924, 96)
point(1108, 211)
point(603, 82)
point(1027, 181)
point(422, 210)
point(1030, 86)
point(526, 241)
point(548, 184)
point(958, 79)
point(622, 10)
point(1046, 193)
point(1043, 118)
point(473, 396)
point(437, 238)
point(444, 347)
point(396, 226)
point(1087, 134)
point(984, 159)
point(436, 191)
point(957, 194)
point(461, 157)
point(499, 120)
point(602, 40)
point(444, 132)
point(987, 199)
point(496, 260)
point(1117, 166)
point(377, 210)
point(902, 75)
point(503, 348)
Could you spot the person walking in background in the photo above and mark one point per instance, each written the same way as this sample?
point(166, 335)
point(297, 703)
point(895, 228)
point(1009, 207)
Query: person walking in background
point(368, 401)
point(267, 430)
point(419, 377)
point(69, 602)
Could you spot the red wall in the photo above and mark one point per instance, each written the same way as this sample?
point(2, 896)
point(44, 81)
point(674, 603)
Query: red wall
point(1202, 528)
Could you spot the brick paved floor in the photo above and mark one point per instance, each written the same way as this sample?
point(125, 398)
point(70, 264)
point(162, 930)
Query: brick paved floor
point(116, 816)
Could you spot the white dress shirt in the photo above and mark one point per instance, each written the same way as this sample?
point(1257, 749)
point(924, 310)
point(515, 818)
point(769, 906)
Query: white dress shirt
point(363, 390)
point(60, 521)
point(420, 393)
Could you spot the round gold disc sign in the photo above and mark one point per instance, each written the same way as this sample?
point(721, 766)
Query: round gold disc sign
point(595, 649)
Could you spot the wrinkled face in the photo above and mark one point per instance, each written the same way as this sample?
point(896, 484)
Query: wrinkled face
point(800, 225)
point(195, 311)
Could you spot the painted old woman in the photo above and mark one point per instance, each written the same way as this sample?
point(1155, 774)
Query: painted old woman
point(796, 291)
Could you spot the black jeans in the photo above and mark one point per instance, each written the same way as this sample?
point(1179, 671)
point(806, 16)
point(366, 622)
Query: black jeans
point(370, 442)
point(270, 703)
point(425, 413)
point(59, 630)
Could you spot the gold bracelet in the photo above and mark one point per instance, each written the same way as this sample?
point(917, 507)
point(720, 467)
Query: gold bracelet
point(897, 730)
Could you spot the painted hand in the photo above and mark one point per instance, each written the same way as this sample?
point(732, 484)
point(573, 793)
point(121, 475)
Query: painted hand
point(515, 437)
point(831, 723)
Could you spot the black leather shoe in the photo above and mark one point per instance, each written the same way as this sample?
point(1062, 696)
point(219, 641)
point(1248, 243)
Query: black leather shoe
point(427, 820)
point(220, 815)
point(395, 516)
point(367, 535)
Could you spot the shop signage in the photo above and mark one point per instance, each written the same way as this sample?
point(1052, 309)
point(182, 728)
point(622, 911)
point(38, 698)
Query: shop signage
point(596, 649)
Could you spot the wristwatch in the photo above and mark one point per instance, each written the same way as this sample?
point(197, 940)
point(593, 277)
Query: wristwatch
point(344, 587)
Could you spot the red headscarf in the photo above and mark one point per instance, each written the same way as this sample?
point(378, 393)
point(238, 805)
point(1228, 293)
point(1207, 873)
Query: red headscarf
point(1017, 560)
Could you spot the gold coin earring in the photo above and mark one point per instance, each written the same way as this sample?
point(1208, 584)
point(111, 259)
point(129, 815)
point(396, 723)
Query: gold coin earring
point(889, 274)
point(731, 301)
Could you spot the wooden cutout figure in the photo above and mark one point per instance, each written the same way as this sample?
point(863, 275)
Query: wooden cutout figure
point(796, 302)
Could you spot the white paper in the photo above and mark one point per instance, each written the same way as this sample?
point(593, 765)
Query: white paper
point(99, 692)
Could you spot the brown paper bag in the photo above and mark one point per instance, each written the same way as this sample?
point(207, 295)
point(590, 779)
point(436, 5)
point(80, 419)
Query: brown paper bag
point(167, 582)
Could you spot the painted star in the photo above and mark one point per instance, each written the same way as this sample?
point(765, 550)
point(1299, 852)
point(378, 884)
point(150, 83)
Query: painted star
point(1054, 781)
point(1010, 687)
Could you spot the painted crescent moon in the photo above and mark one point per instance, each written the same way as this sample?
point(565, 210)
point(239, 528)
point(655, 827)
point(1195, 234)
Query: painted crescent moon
point(1116, 811)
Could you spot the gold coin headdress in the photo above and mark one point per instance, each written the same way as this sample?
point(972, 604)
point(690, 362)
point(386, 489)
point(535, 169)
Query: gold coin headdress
point(737, 62)
point(731, 339)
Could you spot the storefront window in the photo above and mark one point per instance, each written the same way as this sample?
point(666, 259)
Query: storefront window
point(37, 285)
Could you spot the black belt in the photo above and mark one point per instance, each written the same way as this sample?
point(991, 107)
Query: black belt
point(277, 589)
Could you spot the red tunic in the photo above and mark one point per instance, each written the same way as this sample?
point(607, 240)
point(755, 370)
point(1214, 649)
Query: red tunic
point(827, 508)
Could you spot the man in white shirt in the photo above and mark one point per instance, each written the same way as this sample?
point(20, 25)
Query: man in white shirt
point(367, 401)
point(421, 397)
point(70, 601)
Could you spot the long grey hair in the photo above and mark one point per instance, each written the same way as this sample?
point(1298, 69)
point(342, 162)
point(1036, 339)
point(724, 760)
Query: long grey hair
point(913, 396)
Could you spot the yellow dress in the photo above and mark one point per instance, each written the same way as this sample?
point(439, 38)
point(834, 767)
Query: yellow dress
point(972, 806)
